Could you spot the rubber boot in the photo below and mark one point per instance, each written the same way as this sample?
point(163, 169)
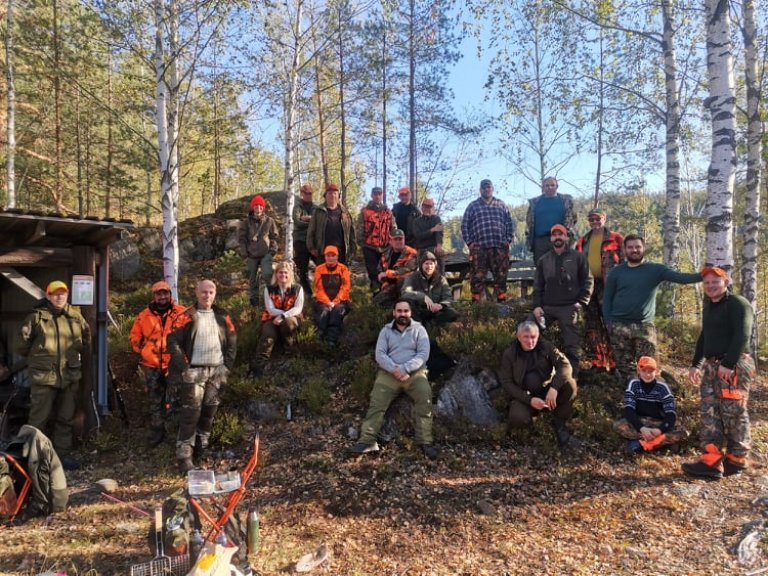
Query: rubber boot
point(710, 465)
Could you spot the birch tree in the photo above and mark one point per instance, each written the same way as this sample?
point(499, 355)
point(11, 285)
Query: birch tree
point(754, 154)
point(721, 104)
point(10, 161)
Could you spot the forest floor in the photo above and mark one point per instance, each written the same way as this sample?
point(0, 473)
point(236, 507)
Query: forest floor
point(513, 505)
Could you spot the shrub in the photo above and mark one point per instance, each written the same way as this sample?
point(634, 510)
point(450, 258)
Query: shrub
point(227, 428)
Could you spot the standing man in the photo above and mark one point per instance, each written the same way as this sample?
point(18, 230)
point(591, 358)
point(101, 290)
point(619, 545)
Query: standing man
point(537, 377)
point(396, 264)
point(562, 286)
point(404, 212)
point(149, 339)
point(54, 337)
point(333, 286)
point(544, 212)
point(257, 244)
point(629, 304)
point(488, 230)
point(402, 351)
point(331, 225)
point(427, 233)
point(429, 294)
point(373, 229)
point(302, 214)
point(603, 250)
point(203, 345)
point(724, 370)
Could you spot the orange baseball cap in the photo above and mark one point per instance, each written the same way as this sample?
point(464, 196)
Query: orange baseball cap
point(55, 286)
point(646, 362)
point(560, 227)
point(716, 270)
point(331, 249)
point(161, 285)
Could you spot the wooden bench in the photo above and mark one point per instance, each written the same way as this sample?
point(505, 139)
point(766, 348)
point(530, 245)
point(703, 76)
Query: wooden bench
point(457, 270)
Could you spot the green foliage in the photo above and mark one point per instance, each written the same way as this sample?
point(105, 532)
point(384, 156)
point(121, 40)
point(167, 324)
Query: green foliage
point(241, 390)
point(314, 394)
point(227, 428)
point(361, 373)
point(484, 342)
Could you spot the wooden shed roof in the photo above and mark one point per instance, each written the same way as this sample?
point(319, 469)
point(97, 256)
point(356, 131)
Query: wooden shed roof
point(37, 229)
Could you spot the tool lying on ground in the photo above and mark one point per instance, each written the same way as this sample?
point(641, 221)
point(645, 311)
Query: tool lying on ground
point(161, 565)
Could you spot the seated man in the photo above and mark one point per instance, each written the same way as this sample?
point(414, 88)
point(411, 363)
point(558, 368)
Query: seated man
point(332, 296)
point(401, 353)
point(396, 264)
point(538, 377)
point(429, 294)
point(649, 412)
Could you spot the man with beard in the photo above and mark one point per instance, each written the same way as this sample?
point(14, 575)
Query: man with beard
point(562, 287)
point(488, 230)
point(331, 225)
point(724, 370)
point(402, 351)
point(538, 378)
point(629, 304)
point(149, 339)
point(603, 250)
point(404, 212)
point(545, 211)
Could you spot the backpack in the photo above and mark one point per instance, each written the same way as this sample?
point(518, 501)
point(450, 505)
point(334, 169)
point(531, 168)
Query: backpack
point(7, 490)
point(34, 452)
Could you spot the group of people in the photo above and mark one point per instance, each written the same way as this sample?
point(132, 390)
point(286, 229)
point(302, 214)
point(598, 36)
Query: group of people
point(188, 352)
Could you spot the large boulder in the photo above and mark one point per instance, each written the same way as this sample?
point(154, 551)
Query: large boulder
point(466, 395)
point(124, 258)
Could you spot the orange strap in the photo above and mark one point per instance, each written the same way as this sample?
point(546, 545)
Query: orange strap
point(649, 445)
point(740, 460)
point(712, 455)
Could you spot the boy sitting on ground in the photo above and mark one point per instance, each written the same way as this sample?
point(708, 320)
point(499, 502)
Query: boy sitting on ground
point(649, 412)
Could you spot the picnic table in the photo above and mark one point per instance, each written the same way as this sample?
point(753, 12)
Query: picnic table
point(457, 268)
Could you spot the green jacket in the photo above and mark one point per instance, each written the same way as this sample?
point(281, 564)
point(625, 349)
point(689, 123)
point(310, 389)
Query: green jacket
point(53, 342)
point(417, 286)
point(551, 364)
point(316, 231)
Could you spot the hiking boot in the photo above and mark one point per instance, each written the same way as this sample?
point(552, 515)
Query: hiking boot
point(731, 468)
point(69, 462)
point(702, 470)
point(155, 437)
point(363, 448)
point(430, 451)
point(633, 448)
point(185, 465)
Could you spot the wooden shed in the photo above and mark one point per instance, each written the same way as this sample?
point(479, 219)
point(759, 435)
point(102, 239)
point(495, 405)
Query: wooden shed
point(36, 249)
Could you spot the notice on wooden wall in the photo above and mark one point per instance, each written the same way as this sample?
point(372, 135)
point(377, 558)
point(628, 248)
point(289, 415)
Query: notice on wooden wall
point(82, 290)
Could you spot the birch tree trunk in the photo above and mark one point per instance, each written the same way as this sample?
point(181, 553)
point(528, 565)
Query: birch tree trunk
point(754, 155)
point(671, 222)
point(291, 102)
point(412, 102)
point(58, 194)
point(10, 161)
point(722, 166)
point(168, 167)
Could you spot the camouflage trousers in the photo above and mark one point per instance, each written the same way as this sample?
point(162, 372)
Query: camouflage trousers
point(724, 415)
point(200, 396)
point(624, 429)
point(630, 340)
point(493, 260)
point(597, 345)
point(157, 387)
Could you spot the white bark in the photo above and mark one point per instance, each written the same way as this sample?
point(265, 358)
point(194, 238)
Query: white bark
point(754, 155)
point(291, 102)
point(722, 166)
point(167, 136)
point(671, 223)
point(10, 162)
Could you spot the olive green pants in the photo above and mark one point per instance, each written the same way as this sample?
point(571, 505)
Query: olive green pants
point(385, 389)
point(51, 402)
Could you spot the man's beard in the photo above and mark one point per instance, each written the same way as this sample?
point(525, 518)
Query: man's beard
point(635, 257)
point(403, 321)
point(558, 243)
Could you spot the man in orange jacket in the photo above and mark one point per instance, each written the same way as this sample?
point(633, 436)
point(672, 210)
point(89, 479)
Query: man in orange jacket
point(332, 296)
point(148, 339)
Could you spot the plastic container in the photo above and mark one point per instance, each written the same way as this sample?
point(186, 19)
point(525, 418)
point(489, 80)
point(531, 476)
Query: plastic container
point(201, 482)
point(227, 482)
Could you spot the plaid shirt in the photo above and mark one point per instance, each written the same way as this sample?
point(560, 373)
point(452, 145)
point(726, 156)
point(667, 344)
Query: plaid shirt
point(487, 225)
